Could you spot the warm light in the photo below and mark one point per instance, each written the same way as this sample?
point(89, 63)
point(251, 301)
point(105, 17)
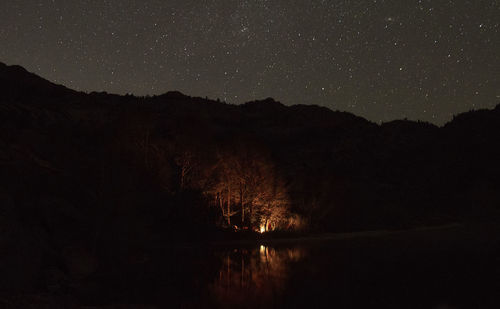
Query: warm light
point(262, 228)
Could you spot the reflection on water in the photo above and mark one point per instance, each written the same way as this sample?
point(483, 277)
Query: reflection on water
point(253, 276)
point(423, 269)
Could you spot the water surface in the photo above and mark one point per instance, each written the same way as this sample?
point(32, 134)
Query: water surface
point(450, 268)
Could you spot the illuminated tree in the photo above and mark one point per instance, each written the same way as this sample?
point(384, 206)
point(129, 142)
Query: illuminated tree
point(245, 182)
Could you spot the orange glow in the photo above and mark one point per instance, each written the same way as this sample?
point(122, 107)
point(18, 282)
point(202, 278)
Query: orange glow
point(262, 228)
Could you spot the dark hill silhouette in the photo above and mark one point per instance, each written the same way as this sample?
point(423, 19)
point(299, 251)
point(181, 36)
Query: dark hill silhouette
point(18, 84)
point(109, 174)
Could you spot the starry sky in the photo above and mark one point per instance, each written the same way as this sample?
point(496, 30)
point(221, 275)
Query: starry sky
point(380, 59)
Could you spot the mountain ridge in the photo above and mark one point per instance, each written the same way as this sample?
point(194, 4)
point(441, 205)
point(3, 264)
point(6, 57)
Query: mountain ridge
point(18, 75)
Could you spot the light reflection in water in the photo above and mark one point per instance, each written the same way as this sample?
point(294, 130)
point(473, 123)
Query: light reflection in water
point(254, 276)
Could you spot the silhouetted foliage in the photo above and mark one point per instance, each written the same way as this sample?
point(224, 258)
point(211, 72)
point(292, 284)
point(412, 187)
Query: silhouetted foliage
point(105, 174)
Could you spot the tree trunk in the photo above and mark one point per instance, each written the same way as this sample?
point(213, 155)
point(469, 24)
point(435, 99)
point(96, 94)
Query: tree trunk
point(183, 174)
point(219, 196)
point(251, 213)
point(242, 208)
point(229, 206)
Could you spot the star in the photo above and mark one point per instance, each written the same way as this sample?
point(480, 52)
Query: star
point(248, 50)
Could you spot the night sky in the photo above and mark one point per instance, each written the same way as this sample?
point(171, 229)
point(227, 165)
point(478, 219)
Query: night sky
point(379, 59)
